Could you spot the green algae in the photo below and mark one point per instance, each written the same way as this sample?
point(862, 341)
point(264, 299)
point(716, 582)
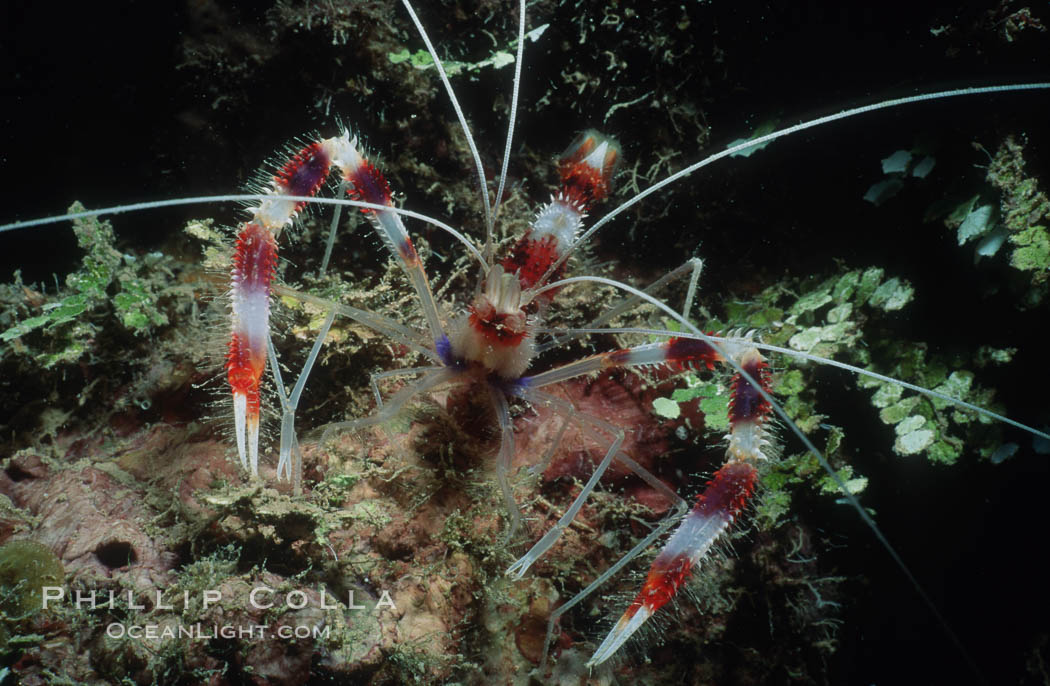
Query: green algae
point(843, 317)
point(108, 283)
point(421, 59)
point(1011, 212)
point(26, 567)
point(1025, 210)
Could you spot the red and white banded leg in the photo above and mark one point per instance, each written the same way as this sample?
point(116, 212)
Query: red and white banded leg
point(586, 171)
point(367, 184)
point(251, 278)
point(255, 262)
point(720, 504)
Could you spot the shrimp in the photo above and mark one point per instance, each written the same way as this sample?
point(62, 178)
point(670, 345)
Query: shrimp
point(793, 208)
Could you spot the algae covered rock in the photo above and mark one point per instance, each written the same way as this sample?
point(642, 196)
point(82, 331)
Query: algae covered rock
point(26, 567)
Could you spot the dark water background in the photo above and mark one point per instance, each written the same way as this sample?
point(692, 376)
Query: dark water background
point(116, 104)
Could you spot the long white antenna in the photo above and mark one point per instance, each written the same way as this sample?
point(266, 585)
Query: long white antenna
point(243, 197)
point(515, 89)
point(482, 182)
point(813, 123)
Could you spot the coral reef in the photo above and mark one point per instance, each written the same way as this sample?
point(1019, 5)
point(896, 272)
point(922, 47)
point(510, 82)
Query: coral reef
point(116, 457)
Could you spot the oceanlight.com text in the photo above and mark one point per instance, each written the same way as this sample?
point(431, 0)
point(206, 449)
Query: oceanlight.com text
point(199, 630)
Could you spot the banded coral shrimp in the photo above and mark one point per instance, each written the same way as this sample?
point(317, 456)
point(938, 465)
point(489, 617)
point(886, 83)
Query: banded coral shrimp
point(726, 270)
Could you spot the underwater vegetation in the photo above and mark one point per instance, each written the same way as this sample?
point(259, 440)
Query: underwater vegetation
point(26, 567)
point(108, 397)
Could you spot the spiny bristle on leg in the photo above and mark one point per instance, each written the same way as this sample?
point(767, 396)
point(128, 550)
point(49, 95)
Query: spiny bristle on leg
point(725, 497)
point(629, 623)
point(246, 424)
point(254, 267)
